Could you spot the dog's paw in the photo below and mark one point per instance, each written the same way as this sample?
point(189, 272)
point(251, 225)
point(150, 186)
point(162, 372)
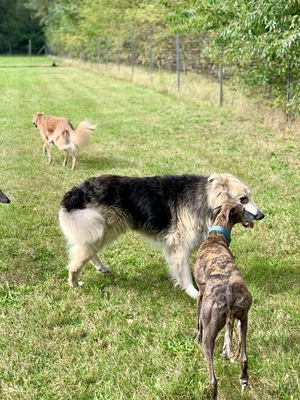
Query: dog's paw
point(244, 383)
point(80, 284)
point(192, 292)
point(104, 270)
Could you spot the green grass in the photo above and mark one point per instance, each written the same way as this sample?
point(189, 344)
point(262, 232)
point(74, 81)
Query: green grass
point(130, 335)
point(27, 61)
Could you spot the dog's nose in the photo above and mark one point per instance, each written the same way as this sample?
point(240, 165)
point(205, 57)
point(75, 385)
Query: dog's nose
point(259, 215)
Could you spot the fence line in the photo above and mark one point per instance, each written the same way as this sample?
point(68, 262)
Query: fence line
point(180, 53)
point(162, 52)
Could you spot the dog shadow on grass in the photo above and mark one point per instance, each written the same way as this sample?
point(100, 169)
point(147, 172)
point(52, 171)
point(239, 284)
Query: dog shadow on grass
point(143, 280)
point(103, 163)
point(272, 276)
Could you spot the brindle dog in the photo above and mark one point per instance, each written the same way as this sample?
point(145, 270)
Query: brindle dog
point(223, 294)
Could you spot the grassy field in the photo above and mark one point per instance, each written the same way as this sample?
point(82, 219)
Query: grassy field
point(130, 335)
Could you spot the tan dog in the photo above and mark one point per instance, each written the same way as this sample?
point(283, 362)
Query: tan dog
point(223, 294)
point(59, 131)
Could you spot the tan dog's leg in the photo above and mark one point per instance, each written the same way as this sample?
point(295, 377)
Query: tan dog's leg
point(46, 150)
point(65, 158)
point(73, 160)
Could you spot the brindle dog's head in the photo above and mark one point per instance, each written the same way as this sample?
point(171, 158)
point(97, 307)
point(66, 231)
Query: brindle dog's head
point(36, 117)
point(230, 214)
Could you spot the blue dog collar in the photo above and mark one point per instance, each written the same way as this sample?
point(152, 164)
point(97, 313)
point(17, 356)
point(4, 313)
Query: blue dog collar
point(222, 230)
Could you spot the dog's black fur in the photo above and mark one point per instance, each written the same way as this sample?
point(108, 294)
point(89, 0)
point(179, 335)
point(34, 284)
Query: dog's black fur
point(147, 201)
point(4, 198)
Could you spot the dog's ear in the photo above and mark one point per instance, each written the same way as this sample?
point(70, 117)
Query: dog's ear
point(232, 213)
point(218, 182)
point(216, 179)
point(235, 212)
point(214, 213)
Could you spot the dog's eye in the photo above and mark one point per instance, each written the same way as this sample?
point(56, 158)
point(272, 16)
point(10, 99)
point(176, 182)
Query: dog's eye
point(244, 200)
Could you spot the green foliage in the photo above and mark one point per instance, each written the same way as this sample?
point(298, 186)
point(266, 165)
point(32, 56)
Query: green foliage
point(17, 27)
point(261, 38)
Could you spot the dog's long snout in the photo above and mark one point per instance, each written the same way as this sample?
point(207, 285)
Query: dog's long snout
point(252, 209)
point(259, 215)
point(250, 217)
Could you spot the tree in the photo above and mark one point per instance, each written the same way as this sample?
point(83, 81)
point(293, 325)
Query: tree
point(261, 37)
point(17, 27)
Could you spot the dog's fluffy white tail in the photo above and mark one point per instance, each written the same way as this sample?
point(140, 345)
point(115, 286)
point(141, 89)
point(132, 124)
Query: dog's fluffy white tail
point(81, 226)
point(81, 137)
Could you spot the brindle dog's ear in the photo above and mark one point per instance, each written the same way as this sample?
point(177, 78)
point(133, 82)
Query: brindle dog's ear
point(235, 211)
point(214, 213)
point(232, 213)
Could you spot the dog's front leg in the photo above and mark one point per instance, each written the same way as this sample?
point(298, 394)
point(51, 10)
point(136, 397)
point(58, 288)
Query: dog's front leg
point(178, 260)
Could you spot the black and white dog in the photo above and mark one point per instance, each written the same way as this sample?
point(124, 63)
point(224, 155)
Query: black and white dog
point(171, 210)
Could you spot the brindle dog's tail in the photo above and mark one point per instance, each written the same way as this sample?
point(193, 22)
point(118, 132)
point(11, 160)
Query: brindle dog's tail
point(228, 348)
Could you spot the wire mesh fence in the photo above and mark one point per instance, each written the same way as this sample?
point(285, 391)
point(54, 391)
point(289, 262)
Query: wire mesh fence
point(154, 52)
point(182, 54)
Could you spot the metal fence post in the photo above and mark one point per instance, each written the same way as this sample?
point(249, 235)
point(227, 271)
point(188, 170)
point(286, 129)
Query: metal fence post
point(132, 54)
point(98, 52)
point(221, 79)
point(288, 89)
point(151, 54)
point(106, 53)
point(119, 52)
point(178, 60)
point(29, 51)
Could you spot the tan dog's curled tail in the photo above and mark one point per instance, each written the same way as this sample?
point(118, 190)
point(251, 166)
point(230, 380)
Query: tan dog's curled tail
point(81, 137)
